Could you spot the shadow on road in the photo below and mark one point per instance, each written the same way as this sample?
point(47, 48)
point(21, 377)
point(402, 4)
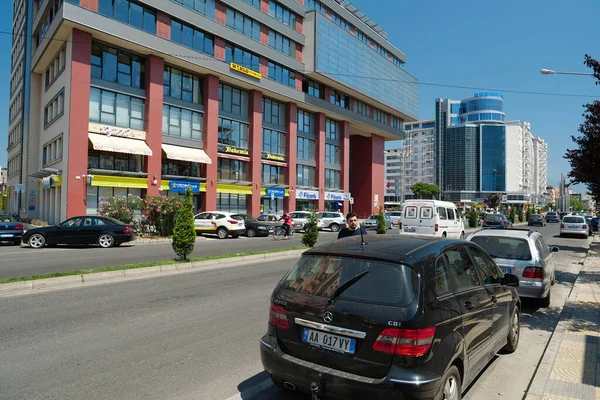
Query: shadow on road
point(271, 392)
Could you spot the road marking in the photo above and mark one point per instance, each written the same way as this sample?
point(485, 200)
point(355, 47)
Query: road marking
point(253, 391)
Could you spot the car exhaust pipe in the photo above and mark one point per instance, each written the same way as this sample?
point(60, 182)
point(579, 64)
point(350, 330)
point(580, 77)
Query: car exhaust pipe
point(289, 385)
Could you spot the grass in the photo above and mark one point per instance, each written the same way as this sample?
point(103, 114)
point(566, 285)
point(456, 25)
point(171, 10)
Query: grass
point(144, 265)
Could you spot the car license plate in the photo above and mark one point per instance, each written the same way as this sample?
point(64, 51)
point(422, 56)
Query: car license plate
point(7, 235)
point(506, 270)
point(573, 227)
point(410, 229)
point(328, 341)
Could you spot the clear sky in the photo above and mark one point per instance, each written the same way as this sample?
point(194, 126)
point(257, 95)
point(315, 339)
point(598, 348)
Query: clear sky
point(476, 44)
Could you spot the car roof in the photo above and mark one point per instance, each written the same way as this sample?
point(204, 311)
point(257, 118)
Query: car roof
point(519, 233)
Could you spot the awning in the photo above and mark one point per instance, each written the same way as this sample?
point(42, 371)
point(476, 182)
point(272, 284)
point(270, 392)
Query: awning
point(119, 144)
point(186, 154)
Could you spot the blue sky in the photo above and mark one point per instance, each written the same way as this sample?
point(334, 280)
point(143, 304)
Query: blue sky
point(473, 43)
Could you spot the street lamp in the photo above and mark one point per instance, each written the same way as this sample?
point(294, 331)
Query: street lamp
point(551, 72)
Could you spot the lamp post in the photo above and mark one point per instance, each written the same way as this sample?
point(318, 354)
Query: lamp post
point(552, 72)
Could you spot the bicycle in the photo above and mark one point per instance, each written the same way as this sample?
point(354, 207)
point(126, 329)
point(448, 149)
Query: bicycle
point(279, 233)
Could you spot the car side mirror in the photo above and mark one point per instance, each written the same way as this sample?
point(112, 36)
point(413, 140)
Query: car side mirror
point(510, 280)
point(554, 249)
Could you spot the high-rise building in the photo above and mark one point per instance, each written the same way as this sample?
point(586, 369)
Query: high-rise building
point(540, 175)
point(251, 103)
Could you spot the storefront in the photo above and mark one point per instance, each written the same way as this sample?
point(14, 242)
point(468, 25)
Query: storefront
point(50, 201)
point(100, 187)
point(178, 188)
point(233, 197)
point(271, 198)
point(307, 200)
point(334, 201)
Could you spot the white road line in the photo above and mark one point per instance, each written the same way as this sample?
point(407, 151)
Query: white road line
point(253, 391)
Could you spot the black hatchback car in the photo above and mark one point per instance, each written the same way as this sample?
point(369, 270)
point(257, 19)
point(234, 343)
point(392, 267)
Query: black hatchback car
point(406, 318)
point(497, 221)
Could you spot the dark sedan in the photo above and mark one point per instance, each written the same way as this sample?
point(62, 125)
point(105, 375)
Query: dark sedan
point(11, 230)
point(497, 221)
point(536, 219)
point(103, 231)
point(253, 226)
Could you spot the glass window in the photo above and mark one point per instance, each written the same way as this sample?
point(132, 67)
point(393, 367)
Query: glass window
point(332, 130)
point(272, 174)
point(229, 169)
point(305, 149)
point(504, 247)
point(116, 109)
point(332, 179)
point(191, 37)
point(332, 154)
point(233, 100)
point(111, 64)
point(442, 280)
point(233, 133)
point(273, 142)
point(281, 74)
point(136, 15)
point(442, 213)
point(426, 212)
point(461, 269)
point(181, 85)
point(304, 121)
point(305, 175)
point(485, 266)
point(451, 216)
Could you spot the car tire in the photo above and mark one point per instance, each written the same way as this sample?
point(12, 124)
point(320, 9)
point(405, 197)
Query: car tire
point(545, 301)
point(462, 235)
point(450, 388)
point(334, 227)
point(222, 233)
point(36, 241)
point(444, 235)
point(250, 232)
point(106, 240)
point(514, 330)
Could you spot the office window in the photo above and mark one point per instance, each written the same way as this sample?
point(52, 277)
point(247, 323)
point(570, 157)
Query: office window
point(273, 141)
point(234, 170)
point(272, 174)
point(205, 7)
point(362, 37)
point(193, 38)
point(181, 168)
point(15, 135)
point(255, 3)
point(243, 24)
point(281, 74)
point(280, 42)
point(129, 12)
point(233, 133)
point(14, 165)
point(332, 130)
point(180, 122)
point(339, 99)
point(282, 14)
point(114, 161)
point(304, 121)
point(273, 112)
point(332, 179)
point(52, 151)
point(313, 88)
point(56, 67)
point(396, 123)
point(315, 5)
point(332, 154)
point(380, 116)
point(233, 203)
point(245, 58)
point(182, 85)
point(55, 108)
point(233, 100)
point(116, 109)
point(305, 149)
point(362, 108)
point(340, 21)
point(305, 175)
point(111, 64)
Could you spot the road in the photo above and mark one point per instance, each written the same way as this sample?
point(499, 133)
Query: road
point(195, 336)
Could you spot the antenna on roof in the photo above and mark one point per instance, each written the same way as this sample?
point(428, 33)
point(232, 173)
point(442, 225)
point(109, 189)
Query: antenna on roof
point(362, 237)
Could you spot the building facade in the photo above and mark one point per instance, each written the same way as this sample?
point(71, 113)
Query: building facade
point(251, 103)
point(540, 175)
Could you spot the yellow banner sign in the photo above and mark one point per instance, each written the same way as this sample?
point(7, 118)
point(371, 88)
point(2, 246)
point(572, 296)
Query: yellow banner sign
point(245, 71)
point(235, 150)
point(274, 157)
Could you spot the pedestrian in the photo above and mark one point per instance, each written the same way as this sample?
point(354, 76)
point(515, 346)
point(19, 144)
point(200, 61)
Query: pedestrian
point(271, 211)
point(352, 228)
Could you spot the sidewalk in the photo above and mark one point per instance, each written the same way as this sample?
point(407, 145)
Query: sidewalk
point(570, 367)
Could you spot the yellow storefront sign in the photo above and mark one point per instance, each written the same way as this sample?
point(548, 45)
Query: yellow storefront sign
point(274, 157)
point(245, 71)
point(165, 186)
point(119, 181)
point(233, 189)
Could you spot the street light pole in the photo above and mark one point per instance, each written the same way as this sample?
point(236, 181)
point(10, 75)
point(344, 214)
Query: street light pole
point(551, 72)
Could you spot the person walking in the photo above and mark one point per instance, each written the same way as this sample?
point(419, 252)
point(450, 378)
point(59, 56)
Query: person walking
point(352, 228)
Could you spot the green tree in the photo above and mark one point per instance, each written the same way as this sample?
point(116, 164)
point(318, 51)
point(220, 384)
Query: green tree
point(184, 233)
point(528, 214)
point(576, 205)
point(381, 222)
point(521, 215)
point(473, 219)
point(311, 231)
point(493, 200)
point(512, 215)
point(425, 190)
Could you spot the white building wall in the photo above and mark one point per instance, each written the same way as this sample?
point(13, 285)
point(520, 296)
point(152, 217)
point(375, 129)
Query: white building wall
point(514, 157)
point(540, 150)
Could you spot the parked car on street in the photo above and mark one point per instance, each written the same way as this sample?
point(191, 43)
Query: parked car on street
point(574, 225)
point(402, 318)
point(270, 219)
point(396, 217)
point(219, 223)
point(432, 217)
point(523, 253)
point(552, 216)
point(253, 226)
point(371, 222)
point(536, 219)
point(595, 224)
point(11, 229)
point(333, 220)
point(300, 219)
point(589, 225)
point(103, 231)
point(496, 221)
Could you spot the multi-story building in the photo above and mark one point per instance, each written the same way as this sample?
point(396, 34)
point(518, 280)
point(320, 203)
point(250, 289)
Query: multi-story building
point(540, 174)
point(251, 103)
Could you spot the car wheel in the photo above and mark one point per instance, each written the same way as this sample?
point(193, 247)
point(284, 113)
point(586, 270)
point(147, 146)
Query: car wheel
point(514, 330)
point(444, 234)
point(545, 301)
point(251, 232)
point(450, 388)
point(334, 227)
point(462, 235)
point(222, 233)
point(106, 240)
point(37, 241)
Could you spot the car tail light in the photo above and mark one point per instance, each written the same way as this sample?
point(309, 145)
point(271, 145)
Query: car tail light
point(19, 227)
point(562, 225)
point(404, 342)
point(278, 318)
point(127, 230)
point(437, 227)
point(584, 227)
point(533, 272)
point(232, 221)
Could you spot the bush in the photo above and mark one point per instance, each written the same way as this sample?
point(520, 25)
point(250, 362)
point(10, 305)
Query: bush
point(120, 207)
point(381, 222)
point(528, 214)
point(520, 215)
point(184, 233)
point(473, 219)
point(311, 231)
point(161, 212)
point(512, 215)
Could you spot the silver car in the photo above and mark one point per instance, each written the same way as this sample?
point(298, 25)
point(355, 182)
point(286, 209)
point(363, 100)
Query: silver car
point(396, 217)
point(523, 253)
point(371, 222)
point(332, 220)
point(300, 219)
point(574, 225)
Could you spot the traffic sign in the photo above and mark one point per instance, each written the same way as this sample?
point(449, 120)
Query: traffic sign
point(351, 200)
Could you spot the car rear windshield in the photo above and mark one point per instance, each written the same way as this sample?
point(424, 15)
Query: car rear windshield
point(494, 217)
point(573, 220)
point(385, 283)
point(504, 247)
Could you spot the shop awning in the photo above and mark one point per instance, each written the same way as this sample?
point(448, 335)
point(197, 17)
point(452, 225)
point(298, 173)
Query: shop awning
point(119, 144)
point(186, 154)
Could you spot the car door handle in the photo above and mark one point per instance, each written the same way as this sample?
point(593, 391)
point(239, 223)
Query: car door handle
point(469, 305)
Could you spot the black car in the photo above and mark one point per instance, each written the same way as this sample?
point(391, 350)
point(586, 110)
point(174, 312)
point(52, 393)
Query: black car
point(594, 224)
point(104, 231)
point(405, 318)
point(11, 229)
point(536, 219)
point(551, 216)
point(253, 226)
point(589, 222)
point(497, 221)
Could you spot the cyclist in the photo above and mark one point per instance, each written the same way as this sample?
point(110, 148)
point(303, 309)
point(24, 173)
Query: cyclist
point(287, 224)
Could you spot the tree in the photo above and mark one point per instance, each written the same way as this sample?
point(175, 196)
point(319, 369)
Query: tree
point(425, 190)
point(381, 222)
point(473, 219)
point(184, 233)
point(512, 215)
point(493, 200)
point(528, 214)
point(576, 205)
point(585, 159)
point(311, 231)
point(520, 215)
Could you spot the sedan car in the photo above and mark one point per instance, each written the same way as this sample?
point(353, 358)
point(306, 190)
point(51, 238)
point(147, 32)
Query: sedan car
point(396, 217)
point(300, 218)
point(253, 226)
point(536, 219)
point(523, 253)
point(364, 322)
point(552, 216)
point(11, 229)
point(371, 222)
point(104, 231)
point(496, 221)
point(333, 220)
point(574, 225)
point(219, 223)
point(270, 219)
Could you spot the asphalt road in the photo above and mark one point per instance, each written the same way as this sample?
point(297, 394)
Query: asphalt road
point(195, 336)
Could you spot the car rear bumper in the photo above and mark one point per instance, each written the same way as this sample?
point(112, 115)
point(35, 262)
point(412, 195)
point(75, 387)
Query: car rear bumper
point(10, 236)
point(124, 238)
point(335, 384)
point(534, 290)
point(237, 232)
point(579, 232)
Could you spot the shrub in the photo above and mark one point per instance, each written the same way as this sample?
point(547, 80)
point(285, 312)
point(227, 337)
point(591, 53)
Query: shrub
point(381, 222)
point(521, 215)
point(161, 212)
point(528, 214)
point(512, 215)
point(120, 207)
point(184, 233)
point(473, 219)
point(311, 231)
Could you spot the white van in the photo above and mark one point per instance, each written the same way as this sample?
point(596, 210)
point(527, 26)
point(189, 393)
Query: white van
point(432, 217)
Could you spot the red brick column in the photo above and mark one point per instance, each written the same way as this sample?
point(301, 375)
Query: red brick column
point(264, 6)
point(291, 144)
point(211, 138)
point(220, 49)
point(255, 135)
point(221, 13)
point(264, 34)
point(320, 156)
point(89, 4)
point(153, 119)
point(368, 173)
point(163, 25)
point(79, 118)
point(345, 161)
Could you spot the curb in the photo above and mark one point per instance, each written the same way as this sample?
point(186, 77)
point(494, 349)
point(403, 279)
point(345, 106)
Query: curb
point(33, 286)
